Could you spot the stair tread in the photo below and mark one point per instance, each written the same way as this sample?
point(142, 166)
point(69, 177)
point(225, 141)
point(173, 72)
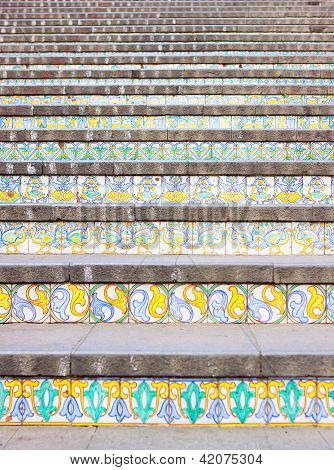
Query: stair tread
point(198, 350)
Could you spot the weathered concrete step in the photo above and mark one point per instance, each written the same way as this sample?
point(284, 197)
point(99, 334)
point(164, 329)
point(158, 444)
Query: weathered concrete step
point(166, 438)
point(17, 32)
point(103, 135)
point(246, 168)
point(222, 73)
point(70, 212)
point(228, 12)
point(97, 37)
point(314, 20)
point(166, 59)
point(277, 269)
point(17, 110)
point(161, 47)
point(30, 90)
point(290, 351)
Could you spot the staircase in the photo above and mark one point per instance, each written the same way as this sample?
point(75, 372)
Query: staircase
point(166, 213)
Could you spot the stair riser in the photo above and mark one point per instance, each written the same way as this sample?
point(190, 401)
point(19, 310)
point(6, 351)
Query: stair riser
point(178, 303)
point(117, 401)
point(166, 190)
point(167, 151)
point(167, 238)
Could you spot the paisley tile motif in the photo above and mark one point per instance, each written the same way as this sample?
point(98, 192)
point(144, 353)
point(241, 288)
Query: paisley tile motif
point(227, 303)
point(109, 303)
point(307, 303)
point(187, 303)
point(70, 303)
point(30, 303)
point(5, 303)
point(267, 304)
point(148, 303)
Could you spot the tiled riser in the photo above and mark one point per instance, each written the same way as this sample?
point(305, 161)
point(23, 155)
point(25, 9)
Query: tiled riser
point(170, 122)
point(258, 190)
point(167, 151)
point(161, 100)
point(167, 238)
point(166, 303)
point(118, 401)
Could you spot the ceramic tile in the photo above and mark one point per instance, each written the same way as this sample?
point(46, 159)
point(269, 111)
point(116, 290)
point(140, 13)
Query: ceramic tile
point(307, 303)
point(14, 237)
point(291, 401)
point(308, 238)
point(317, 189)
point(30, 303)
point(288, 189)
point(187, 303)
point(227, 303)
point(95, 400)
point(208, 238)
point(70, 303)
point(45, 238)
point(5, 303)
point(13, 409)
point(260, 190)
point(147, 189)
point(193, 402)
point(175, 190)
point(242, 401)
point(10, 189)
point(91, 189)
point(242, 238)
point(119, 190)
point(232, 190)
point(175, 238)
point(148, 303)
point(203, 189)
point(267, 303)
point(63, 189)
point(77, 237)
point(274, 238)
point(144, 401)
point(109, 303)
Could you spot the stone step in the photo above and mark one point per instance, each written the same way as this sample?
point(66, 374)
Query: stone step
point(165, 89)
point(196, 351)
point(161, 39)
point(273, 58)
point(210, 214)
point(194, 168)
point(152, 437)
point(278, 269)
point(169, 47)
point(206, 135)
point(24, 32)
point(171, 74)
point(228, 12)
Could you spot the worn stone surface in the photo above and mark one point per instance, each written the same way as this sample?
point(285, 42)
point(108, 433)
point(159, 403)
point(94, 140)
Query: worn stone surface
point(165, 437)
